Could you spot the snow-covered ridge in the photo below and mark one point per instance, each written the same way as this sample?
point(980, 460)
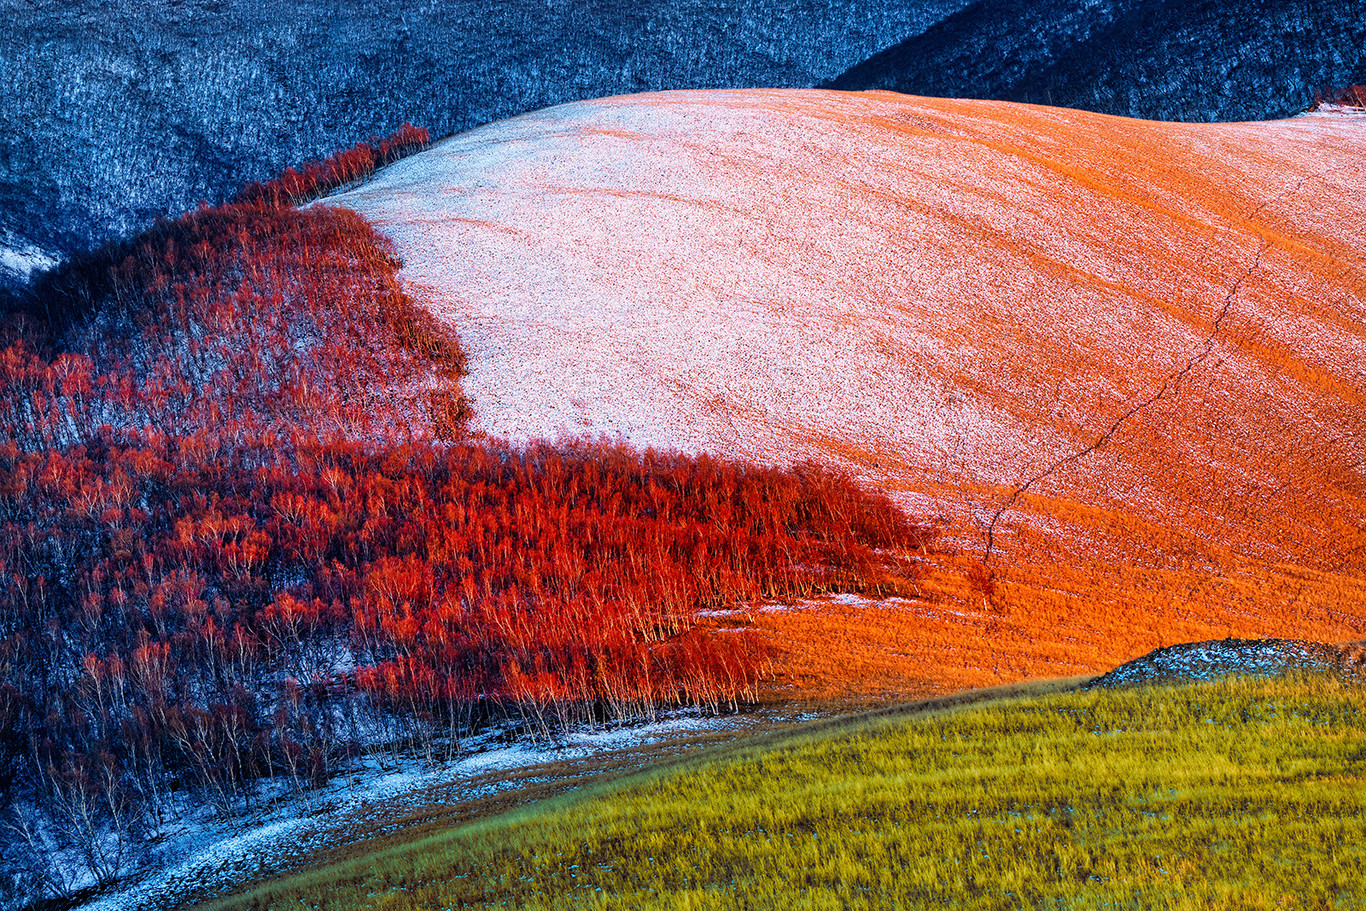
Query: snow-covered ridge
point(943, 296)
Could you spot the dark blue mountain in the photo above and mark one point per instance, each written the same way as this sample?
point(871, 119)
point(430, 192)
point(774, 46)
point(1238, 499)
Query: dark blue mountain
point(114, 112)
point(1194, 60)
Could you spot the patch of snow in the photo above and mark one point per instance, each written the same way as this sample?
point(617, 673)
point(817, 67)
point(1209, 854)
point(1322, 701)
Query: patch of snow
point(207, 856)
point(586, 744)
point(24, 261)
point(727, 612)
point(1337, 110)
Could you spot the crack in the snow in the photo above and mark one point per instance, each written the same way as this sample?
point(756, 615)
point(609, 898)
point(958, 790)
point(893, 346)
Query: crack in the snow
point(1287, 193)
point(1172, 382)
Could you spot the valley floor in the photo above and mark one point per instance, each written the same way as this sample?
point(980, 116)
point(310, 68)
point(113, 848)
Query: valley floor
point(377, 802)
point(1235, 793)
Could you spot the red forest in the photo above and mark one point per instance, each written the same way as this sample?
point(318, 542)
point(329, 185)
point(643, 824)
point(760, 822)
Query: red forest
point(242, 538)
point(318, 178)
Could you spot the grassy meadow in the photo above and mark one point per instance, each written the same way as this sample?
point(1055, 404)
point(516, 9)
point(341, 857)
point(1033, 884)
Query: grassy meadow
point(1241, 793)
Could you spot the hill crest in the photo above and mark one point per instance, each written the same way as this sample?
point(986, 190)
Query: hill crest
point(1131, 353)
point(941, 296)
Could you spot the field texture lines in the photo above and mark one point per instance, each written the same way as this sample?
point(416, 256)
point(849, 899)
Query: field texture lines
point(1123, 360)
point(1233, 794)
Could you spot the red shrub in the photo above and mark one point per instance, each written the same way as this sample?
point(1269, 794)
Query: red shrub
point(318, 178)
point(244, 320)
point(232, 544)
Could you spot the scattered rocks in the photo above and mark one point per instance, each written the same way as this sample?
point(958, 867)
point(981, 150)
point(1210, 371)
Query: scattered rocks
point(1228, 657)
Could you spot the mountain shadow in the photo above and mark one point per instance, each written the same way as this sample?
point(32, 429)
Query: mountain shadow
point(1193, 61)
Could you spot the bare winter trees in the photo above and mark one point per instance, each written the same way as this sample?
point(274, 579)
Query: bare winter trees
point(239, 539)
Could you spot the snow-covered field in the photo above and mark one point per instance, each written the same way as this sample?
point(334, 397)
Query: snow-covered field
point(939, 295)
point(19, 263)
point(205, 857)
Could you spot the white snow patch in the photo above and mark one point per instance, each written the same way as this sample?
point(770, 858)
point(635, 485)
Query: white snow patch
point(26, 260)
point(206, 856)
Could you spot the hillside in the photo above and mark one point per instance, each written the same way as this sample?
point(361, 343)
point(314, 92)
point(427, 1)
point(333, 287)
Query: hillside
point(113, 115)
point(1121, 359)
point(1191, 61)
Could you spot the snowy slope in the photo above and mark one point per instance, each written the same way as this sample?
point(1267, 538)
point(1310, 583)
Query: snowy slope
point(947, 297)
point(115, 114)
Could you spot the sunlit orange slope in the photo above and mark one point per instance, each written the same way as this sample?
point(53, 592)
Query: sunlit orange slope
point(1128, 356)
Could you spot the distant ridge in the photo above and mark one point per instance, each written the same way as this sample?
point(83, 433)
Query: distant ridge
point(1190, 61)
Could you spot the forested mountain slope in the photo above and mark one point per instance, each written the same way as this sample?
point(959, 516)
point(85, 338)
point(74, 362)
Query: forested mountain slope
point(1192, 60)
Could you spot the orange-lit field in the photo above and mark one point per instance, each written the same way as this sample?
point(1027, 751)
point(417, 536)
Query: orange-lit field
point(1045, 620)
point(1125, 362)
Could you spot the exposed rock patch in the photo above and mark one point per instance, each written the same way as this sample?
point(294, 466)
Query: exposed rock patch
point(1242, 657)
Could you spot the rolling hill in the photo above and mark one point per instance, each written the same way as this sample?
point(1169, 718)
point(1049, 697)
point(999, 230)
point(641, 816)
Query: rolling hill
point(114, 115)
point(1122, 360)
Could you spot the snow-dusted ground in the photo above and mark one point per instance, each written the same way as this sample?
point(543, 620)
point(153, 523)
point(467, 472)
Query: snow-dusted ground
point(19, 263)
point(207, 857)
point(797, 604)
point(1342, 110)
point(936, 294)
point(1222, 657)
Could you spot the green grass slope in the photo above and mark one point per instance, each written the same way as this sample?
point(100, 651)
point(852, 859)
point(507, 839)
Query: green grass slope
point(1239, 793)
